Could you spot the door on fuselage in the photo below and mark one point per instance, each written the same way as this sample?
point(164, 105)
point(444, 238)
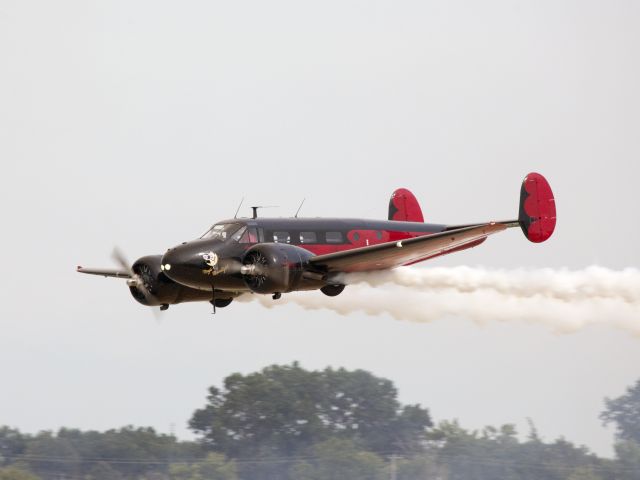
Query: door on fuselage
point(364, 238)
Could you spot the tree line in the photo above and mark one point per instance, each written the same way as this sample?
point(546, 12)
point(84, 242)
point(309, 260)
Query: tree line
point(289, 423)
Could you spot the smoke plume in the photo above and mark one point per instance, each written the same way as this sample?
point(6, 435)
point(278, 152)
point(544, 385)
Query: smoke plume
point(565, 300)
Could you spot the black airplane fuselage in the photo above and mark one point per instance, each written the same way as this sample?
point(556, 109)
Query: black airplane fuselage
point(212, 261)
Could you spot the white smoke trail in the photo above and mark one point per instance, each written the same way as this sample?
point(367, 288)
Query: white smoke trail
point(590, 283)
point(566, 301)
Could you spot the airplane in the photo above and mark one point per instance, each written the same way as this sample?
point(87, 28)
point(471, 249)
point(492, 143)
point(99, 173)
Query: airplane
point(272, 256)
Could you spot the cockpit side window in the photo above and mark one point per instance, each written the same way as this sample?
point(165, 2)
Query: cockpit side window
point(221, 231)
point(239, 234)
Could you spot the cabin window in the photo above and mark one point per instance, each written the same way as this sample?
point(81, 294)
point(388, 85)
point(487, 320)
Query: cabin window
point(334, 237)
point(379, 235)
point(281, 237)
point(308, 237)
point(356, 237)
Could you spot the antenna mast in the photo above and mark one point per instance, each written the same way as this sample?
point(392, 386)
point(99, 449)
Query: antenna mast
point(255, 209)
point(298, 211)
point(238, 209)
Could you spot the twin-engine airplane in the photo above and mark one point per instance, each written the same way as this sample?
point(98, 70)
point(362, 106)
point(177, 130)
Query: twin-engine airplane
point(280, 255)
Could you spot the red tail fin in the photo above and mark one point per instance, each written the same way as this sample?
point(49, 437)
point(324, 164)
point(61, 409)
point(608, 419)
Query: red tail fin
point(404, 207)
point(537, 216)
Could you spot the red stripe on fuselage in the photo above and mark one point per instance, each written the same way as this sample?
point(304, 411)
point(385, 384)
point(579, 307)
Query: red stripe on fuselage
point(362, 238)
point(373, 237)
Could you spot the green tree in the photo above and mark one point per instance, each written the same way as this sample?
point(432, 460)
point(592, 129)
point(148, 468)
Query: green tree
point(140, 451)
point(584, 473)
point(496, 454)
point(337, 459)
point(628, 455)
point(624, 411)
point(421, 466)
point(284, 410)
point(51, 457)
point(12, 443)
point(102, 471)
point(14, 473)
point(214, 467)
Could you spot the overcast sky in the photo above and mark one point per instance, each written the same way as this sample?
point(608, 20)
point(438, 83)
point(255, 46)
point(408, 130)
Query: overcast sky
point(140, 123)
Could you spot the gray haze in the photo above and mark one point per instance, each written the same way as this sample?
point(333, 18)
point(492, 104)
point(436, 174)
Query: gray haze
point(139, 123)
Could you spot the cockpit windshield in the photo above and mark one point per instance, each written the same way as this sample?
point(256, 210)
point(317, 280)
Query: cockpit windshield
point(221, 231)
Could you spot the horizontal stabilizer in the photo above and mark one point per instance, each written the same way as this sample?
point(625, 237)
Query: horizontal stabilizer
point(537, 215)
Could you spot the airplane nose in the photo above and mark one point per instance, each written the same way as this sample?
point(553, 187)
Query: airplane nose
point(169, 259)
point(183, 264)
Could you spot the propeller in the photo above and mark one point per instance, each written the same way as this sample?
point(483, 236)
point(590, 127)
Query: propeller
point(255, 268)
point(141, 281)
point(135, 281)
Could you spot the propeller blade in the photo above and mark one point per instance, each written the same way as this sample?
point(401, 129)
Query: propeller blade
point(120, 258)
point(135, 281)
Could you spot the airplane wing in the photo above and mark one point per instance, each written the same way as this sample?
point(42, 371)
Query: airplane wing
point(394, 254)
point(105, 272)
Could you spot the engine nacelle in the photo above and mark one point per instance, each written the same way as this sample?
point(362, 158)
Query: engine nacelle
point(151, 287)
point(274, 267)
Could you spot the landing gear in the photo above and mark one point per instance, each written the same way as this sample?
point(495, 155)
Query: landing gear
point(276, 296)
point(223, 302)
point(219, 302)
point(332, 290)
point(164, 306)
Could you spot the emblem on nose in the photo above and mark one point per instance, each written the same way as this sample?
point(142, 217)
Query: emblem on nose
point(210, 258)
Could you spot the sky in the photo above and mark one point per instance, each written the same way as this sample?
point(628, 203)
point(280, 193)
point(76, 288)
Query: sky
point(140, 123)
